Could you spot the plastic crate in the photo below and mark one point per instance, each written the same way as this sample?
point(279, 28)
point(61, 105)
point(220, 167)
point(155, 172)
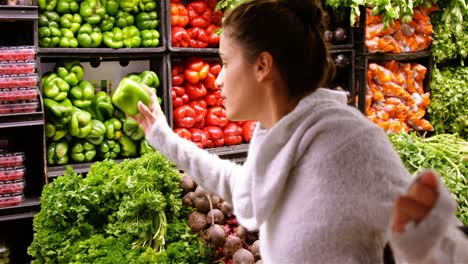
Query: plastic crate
point(18, 81)
point(11, 200)
point(19, 53)
point(9, 160)
point(18, 107)
point(12, 187)
point(17, 67)
point(12, 174)
point(18, 94)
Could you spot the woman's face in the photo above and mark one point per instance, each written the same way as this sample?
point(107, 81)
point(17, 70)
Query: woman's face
point(237, 82)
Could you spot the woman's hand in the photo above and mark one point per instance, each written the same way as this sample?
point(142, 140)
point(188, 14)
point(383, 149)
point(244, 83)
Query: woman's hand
point(416, 204)
point(149, 115)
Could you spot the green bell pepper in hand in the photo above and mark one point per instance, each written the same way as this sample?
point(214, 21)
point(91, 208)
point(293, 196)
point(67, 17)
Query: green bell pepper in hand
point(113, 127)
point(107, 24)
point(147, 20)
point(129, 5)
point(89, 36)
point(132, 129)
point(145, 147)
point(67, 6)
point(128, 94)
point(82, 151)
point(128, 148)
point(68, 39)
point(59, 113)
point(47, 17)
point(55, 87)
point(124, 19)
point(72, 22)
point(82, 95)
point(54, 132)
point(71, 72)
point(131, 37)
point(48, 5)
point(111, 6)
point(109, 149)
point(149, 38)
point(57, 153)
point(80, 123)
point(49, 36)
point(92, 11)
point(147, 5)
point(101, 106)
point(150, 78)
point(113, 39)
point(96, 136)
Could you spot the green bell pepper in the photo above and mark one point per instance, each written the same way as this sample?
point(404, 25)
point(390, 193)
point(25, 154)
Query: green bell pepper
point(149, 38)
point(92, 11)
point(71, 72)
point(113, 127)
point(109, 149)
point(59, 113)
point(113, 39)
point(147, 5)
point(72, 22)
point(111, 6)
point(50, 36)
point(132, 129)
point(124, 19)
point(55, 88)
point(128, 148)
point(107, 24)
point(48, 16)
point(129, 5)
point(131, 37)
point(128, 94)
point(135, 77)
point(68, 39)
point(147, 20)
point(48, 5)
point(96, 136)
point(82, 151)
point(101, 106)
point(89, 36)
point(57, 153)
point(150, 78)
point(67, 6)
point(145, 147)
point(54, 132)
point(80, 123)
point(82, 95)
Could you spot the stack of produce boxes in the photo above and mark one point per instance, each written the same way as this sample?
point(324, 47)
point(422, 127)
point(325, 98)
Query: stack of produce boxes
point(11, 178)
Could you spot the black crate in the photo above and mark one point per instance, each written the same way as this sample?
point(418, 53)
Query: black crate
point(344, 73)
point(339, 19)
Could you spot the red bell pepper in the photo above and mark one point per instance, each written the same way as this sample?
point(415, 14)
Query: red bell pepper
point(183, 133)
point(199, 106)
point(217, 18)
point(199, 137)
point(215, 68)
point(195, 91)
point(198, 37)
point(216, 116)
point(199, 14)
point(184, 116)
point(196, 69)
point(179, 15)
point(232, 134)
point(177, 74)
point(211, 4)
point(213, 98)
point(215, 136)
point(179, 97)
point(213, 38)
point(247, 129)
point(175, 1)
point(180, 37)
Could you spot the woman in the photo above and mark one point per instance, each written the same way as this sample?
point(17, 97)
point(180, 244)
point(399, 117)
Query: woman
point(319, 179)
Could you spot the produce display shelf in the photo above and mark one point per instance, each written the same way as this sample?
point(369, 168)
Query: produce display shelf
point(55, 171)
point(123, 53)
point(340, 47)
point(398, 57)
point(8, 12)
point(228, 150)
point(27, 209)
point(21, 120)
point(200, 51)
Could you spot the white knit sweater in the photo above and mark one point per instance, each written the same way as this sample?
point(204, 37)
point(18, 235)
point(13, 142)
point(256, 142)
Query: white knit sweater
point(319, 185)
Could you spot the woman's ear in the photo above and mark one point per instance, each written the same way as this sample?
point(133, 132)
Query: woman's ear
point(263, 66)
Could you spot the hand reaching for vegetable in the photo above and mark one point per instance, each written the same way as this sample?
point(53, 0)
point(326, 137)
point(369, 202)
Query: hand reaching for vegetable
point(416, 204)
point(149, 115)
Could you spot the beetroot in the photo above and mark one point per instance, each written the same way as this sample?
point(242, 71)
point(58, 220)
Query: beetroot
point(197, 221)
point(202, 204)
point(217, 215)
point(243, 256)
point(227, 209)
point(216, 235)
point(255, 249)
point(188, 199)
point(187, 184)
point(231, 245)
point(241, 233)
point(199, 191)
point(216, 200)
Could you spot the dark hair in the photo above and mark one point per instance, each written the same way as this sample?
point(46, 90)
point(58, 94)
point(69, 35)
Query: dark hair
point(292, 32)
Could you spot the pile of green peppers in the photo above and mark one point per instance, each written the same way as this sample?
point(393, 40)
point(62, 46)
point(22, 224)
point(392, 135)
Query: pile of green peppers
point(98, 23)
